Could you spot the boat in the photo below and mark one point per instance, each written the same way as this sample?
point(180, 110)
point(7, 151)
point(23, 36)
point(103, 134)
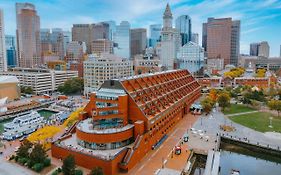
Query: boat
point(234, 172)
point(33, 118)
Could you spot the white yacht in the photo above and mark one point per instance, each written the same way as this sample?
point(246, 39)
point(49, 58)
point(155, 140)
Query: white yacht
point(33, 118)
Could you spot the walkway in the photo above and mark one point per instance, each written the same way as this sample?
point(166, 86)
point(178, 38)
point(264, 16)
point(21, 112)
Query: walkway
point(211, 124)
point(155, 158)
point(241, 113)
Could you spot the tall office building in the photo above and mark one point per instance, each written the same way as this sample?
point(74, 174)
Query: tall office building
point(67, 37)
point(122, 40)
point(254, 49)
point(216, 46)
point(154, 34)
point(100, 46)
point(280, 50)
point(183, 25)
point(195, 38)
point(170, 41)
point(3, 58)
point(138, 41)
point(82, 33)
point(263, 49)
point(10, 41)
point(89, 32)
point(52, 42)
point(99, 31)
point(28, 35)
point(112, 29)
point(57, 41)
point(259, 49)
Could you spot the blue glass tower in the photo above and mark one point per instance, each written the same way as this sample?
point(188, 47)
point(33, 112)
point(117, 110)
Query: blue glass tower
point(122, 40)
point(183, 25)
point(154, 34)
point(10, 42)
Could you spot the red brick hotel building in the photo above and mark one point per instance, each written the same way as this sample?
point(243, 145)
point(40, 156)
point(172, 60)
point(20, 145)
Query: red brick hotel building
point(125, 118)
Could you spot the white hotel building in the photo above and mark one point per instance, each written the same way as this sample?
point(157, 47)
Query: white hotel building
point(106, 67)
point(41, 80)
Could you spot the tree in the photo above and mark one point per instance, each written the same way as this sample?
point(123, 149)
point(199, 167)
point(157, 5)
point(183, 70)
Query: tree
point(68, 167)
point(224, 100)
point(24, 149)
point(38, 154)
point(72, 86)
point(26, 90)
point(275, 105)
point(207, 104)
point(97, 171)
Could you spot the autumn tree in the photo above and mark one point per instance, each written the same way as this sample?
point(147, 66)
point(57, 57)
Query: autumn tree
point(224, 100)
point(207, 104)
point(275, 105)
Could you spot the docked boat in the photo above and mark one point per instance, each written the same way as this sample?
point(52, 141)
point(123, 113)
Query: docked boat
point(33, 118)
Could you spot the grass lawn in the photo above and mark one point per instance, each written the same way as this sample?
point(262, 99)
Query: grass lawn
point(236, 108)
point(258, 121)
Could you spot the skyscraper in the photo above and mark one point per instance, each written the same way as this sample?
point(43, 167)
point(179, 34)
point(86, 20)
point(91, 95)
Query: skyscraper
point(3, 58)
point(89, 32)
point(99, 31)
point(154, 34)
point(183, 25)
point(138, 41)
point(57, 41)
point(67, 38)
point(112, 29)
point(254, 49)
point(263, 49)
point(10, 41)
point(28, 35)
point(170, 40)
point(195, 38)
point(259, 49)
point(216, 46)
point(280, 50)
point(82, 33)
point(122, 40)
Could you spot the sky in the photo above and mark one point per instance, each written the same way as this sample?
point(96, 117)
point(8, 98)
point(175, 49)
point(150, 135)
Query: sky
point(260, 19)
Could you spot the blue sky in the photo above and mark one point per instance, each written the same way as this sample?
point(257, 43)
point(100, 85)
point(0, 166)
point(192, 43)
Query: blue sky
point(260, 19)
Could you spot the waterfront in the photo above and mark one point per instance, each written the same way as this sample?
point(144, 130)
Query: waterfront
point(248, 164)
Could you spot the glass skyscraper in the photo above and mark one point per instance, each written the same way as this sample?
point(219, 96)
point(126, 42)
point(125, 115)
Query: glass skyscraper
point(154, 34)
point(183, 25)
point(10, 41)
point(122, 40)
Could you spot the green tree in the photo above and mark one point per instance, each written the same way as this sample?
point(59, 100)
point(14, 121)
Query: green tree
point(26, 90)
point(38, 154)
point(275, 105)
point(224, 100)
point(68, 167)
point(97, 171)
point(72, 86)
point(24, 149)
point(207, 104)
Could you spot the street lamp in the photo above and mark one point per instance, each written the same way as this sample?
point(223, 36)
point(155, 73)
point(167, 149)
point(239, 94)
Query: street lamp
point(270, 122)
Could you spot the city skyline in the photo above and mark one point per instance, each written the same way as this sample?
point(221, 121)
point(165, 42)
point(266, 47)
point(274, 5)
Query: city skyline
point(257, 17)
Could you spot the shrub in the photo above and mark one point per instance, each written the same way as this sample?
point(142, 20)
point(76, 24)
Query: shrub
point(78, 172)
point(47, 162)
point(37, 167)
point(59, 170)
point(29, 163)
point(55, 172)
point(16, 158)
point(22, 160)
